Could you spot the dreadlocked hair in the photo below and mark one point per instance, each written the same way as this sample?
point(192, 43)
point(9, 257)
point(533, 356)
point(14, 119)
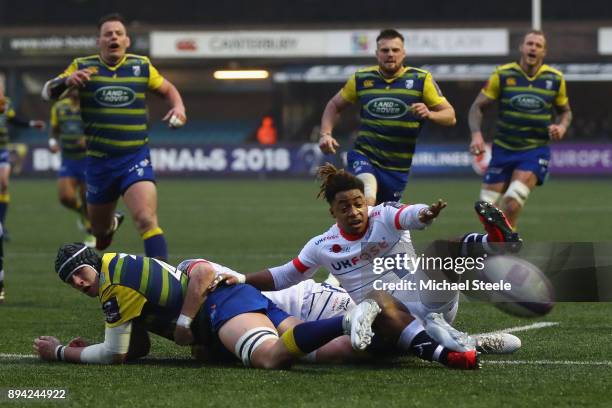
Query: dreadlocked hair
point(336, 180)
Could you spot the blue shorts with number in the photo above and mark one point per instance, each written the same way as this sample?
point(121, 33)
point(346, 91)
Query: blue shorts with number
point(391, 184)
point(73, 169)
point(504, 162)
point(227, 302)
point(109, 177)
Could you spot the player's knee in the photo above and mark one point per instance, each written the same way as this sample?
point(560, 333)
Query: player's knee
point(145, 221)
point(489, 196)
point(254, 348)
point(516, 195)
point(370, 186)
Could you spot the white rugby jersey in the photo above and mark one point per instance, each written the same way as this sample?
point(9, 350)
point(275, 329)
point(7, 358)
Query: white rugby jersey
point(350, 258)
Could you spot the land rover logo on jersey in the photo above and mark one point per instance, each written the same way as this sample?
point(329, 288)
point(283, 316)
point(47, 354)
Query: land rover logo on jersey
point(527, 103)
point(386, 108)
point(115, 96)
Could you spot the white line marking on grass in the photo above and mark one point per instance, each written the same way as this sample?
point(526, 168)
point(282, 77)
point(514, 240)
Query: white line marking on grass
point(534, 326)
point(13, 356)
point(549, 362)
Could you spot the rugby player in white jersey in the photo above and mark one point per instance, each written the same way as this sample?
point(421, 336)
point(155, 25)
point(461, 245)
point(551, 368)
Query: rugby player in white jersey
point(361, 234)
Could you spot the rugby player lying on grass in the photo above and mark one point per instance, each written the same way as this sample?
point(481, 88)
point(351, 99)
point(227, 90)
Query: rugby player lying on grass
point(362, 233)
point(185, 304)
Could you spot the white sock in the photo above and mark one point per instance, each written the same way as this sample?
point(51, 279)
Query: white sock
point(408, 334)
point(1, 275)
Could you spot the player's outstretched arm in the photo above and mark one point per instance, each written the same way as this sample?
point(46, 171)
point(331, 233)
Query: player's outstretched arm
point(201, 276)
point(113, 351)
point(262, 280)
point(427, 215)
point(176, 116)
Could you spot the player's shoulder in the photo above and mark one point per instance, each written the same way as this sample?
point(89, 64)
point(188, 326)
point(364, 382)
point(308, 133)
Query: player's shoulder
point(332, 234)
point(511, 66)
point(548, 69)
point(415, 70)
point(137, 59)
point(89, 59)
point(383, 210)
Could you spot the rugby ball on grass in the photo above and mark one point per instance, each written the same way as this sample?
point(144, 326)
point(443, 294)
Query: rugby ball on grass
point(529, 293)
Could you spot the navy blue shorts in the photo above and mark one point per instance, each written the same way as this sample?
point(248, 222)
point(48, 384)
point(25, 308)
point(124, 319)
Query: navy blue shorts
point(73, 169)
point(504, 162)
point(229, 301)
point(391, 184)
point(108, 178)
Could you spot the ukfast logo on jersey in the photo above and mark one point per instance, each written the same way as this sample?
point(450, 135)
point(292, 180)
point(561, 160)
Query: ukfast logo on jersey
point(369, 251)
point(325, 238)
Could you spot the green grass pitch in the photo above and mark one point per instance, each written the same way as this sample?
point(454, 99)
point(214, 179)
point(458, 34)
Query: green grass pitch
point(250, 225)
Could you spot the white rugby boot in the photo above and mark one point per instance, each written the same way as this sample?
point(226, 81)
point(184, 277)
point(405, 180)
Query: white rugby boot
point(497, 343)
point(445, 334)
point(358, 323)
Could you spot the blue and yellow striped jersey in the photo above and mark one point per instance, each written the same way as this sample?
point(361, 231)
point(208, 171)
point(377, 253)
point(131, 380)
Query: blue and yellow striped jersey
point(8, 114)
point(134, 287)
point(113, 104)
point(66, 117)
point(389, 130)
point(525, 104)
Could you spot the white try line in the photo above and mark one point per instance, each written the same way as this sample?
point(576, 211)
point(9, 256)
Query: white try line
point(549, 362)
point(534, 326)
point(16, 356)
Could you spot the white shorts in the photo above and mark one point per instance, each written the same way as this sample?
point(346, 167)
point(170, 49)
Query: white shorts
point(309, 301)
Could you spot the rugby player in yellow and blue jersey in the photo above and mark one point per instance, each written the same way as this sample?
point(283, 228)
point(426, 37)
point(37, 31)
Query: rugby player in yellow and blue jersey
point(67, 136)
point(8, 115)
point(112, 87)
point(188, 305)
point(395, 102)
point(528, 94)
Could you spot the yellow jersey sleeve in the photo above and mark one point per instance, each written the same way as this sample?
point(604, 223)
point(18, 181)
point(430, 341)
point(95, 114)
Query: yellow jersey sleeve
point(432, 95)
point(71, 68)
point(155, 78)
point(53, 119)
point(349, 90)
point(491, 87)
point(121, 305)
point(562, 99)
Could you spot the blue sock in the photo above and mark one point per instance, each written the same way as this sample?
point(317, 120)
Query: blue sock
point(309, 336)
point(155, 244)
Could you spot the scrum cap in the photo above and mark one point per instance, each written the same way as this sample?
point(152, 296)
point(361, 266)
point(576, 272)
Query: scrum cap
point(72, 256)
